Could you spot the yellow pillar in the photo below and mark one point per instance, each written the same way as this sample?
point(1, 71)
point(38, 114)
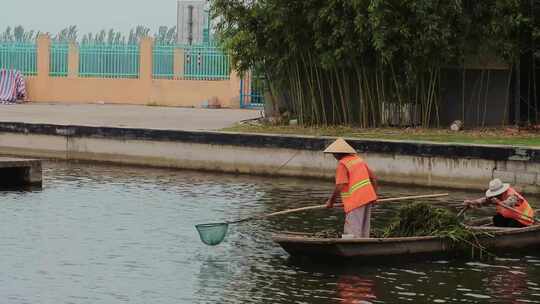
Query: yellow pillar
point(234, 84)
point(73, 61)
point(145, 67)
point(43, 55)
point(39, 91)
point(179, 63)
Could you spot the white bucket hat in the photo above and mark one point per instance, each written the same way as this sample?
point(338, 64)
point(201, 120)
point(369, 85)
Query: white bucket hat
point(340, 146)
point(496, 187)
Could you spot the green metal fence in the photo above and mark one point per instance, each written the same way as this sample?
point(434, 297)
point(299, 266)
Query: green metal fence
point(253, 86)
point(109, 60)
point(201, 62)
point(163, 61)
point(206, 63)
point(58, 65)
point(19, 56)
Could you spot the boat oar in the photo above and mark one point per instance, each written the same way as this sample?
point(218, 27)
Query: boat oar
point(214, 233)
point(534, 220)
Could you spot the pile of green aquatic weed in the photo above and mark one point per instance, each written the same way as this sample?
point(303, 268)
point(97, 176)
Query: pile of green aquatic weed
point(422, 219)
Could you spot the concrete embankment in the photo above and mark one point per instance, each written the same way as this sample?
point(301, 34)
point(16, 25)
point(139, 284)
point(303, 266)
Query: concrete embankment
point(428, 164)
point(20, 172)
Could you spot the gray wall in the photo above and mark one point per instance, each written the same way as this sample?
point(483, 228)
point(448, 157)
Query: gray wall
point(486, 101)
point(427, 164)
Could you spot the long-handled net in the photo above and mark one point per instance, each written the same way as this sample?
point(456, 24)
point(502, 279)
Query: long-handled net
point(212, 234)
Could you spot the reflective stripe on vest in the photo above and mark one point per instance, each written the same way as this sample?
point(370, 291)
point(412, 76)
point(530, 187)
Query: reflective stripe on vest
point(523, 208)
point(356, 187)
point(527, 213)
point(359, 190)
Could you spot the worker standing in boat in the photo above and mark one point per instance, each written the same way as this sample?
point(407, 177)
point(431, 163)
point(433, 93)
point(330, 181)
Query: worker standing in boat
point(500, 193)
point(357, 186)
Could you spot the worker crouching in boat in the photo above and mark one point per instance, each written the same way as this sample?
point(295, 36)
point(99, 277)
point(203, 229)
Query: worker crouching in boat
point(357, 186)
point(502, 195)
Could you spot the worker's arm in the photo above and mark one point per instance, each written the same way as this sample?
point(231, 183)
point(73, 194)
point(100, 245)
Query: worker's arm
point(511, 201)
point(337, 190)
point(477, 202)
point(342, 180)
point(373, 180)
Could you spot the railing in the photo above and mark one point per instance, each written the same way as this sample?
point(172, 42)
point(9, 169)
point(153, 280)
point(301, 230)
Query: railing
point(199, 63)
point(206, 63)
point(19, 56)
point(109, 61)
point(253, 86)
point(163, 61)
point(189, 62)
point(58, 66)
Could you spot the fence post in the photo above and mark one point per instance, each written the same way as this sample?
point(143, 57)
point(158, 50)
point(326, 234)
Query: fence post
point(43, 55)
point(73, 60)
point(145, 63)
point(179, 63)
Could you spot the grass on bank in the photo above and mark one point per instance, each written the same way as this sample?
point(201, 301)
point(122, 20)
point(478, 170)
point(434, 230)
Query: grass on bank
point(502, 136)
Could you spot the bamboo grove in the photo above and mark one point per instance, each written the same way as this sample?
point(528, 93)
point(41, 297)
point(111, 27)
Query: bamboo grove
point(357, 62)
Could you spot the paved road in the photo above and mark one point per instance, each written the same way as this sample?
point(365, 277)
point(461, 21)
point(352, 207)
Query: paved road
point(130, 116)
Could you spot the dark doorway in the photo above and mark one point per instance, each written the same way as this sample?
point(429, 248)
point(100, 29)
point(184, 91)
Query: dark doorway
point(14, 177)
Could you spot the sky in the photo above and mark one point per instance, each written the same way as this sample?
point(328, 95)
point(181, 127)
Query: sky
point(89, 15)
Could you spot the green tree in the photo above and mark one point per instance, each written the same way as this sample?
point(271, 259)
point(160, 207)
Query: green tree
point(358, 61)
point(68, 34)
point(165, 35)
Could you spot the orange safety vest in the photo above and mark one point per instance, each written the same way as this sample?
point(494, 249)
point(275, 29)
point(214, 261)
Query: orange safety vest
point(523, 207)
point(359, 190)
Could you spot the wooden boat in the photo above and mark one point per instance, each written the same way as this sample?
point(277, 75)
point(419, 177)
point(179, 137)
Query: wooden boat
point(496, 239)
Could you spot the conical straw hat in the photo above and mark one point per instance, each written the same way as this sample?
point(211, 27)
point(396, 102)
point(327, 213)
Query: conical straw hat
point(340, 146)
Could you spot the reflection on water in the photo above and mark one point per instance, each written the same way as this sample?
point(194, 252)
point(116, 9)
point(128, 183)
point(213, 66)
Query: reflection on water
point(356, 289)
point(105, 234)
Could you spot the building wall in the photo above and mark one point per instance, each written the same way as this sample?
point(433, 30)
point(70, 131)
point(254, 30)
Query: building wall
point(198, 20)
point(179, 93)
point(143, 90)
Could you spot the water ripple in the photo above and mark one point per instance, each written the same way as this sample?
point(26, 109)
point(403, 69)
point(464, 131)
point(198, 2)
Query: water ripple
point(106, 234)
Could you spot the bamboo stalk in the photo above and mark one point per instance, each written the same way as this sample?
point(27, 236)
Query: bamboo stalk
point(431, 93)
point(463, 95)
point(398, 92)
point(361, 95)
point(478, 99)
point(300, 93)
point(384, 200)
point(485, 99)
point(341, 98)
point(321, 93)
point(310, 71)
point(507, 94)
point(335, 109)
point(438, 98)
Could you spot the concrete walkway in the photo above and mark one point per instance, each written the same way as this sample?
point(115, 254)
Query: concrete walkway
point(127, 116)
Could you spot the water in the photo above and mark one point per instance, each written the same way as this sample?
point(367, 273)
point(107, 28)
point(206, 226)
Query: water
point(102, 234)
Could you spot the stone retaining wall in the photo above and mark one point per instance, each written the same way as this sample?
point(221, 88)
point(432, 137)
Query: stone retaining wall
point(430, 164)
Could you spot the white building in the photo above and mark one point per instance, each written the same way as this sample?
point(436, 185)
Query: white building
point(192, 21)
